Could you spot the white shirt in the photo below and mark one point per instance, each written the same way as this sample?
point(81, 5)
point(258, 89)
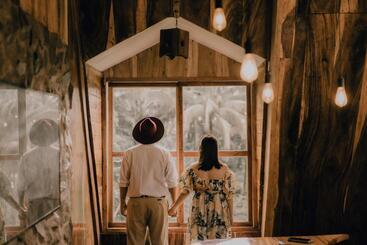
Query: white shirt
point(39, 173)
point(148, 170)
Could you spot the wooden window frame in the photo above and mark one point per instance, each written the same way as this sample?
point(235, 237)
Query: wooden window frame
point(250, 228)
point(22, 134)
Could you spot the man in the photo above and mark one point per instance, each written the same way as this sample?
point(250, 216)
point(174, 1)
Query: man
point(147, 176)
point(38, 181)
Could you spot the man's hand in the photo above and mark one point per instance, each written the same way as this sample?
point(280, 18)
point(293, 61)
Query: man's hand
point(124, 210)
point(172, 212)
point(123, 207)
point(22, 214)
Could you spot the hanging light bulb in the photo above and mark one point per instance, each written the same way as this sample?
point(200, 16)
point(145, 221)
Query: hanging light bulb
point(268, 93)
point(341, 98)
point(248, 72)
point(219, 18)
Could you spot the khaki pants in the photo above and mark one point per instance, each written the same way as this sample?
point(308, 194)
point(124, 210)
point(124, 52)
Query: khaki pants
point(147, 212)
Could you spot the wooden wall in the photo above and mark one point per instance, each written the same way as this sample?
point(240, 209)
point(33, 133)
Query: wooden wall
point(55, 15)
point(201, 63)
point(51, 13)
point(316, 150)
point(80, 204)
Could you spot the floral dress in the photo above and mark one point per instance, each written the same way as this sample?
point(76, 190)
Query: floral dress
point(209, 215)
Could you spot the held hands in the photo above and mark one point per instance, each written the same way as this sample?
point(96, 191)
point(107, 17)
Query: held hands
point(172, 211)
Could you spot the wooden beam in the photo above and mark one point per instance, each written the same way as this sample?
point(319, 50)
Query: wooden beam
point(150, 37)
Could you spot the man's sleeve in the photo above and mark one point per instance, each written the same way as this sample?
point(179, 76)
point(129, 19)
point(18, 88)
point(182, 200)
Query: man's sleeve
point(171, 172)
point(125, 171)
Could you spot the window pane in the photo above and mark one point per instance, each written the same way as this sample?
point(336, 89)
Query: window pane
point(116, 215)
point(172, 219)
point(187, 204)
point(220, 111)
point(238, 165)
point(132, 104)
point(9, 132)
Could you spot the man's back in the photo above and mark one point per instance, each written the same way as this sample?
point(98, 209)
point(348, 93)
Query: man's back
point(148, 171)
point(147, 175)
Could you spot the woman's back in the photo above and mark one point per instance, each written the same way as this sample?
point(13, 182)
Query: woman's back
point(213, 185)
point(213, 189)
point(213, 173)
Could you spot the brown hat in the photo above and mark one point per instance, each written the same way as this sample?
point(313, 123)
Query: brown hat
point(148, 130)
point(44, 132)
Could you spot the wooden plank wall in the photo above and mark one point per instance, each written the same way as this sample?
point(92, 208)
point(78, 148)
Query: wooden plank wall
point(318, 145)
point(202, 63)
point(95, 106)
point(51, 13)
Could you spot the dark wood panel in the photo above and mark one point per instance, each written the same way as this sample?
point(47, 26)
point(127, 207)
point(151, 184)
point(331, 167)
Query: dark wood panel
point(94, 16)
point(124, 18)
point(255, 25)
point(355, 207)
point(197, 12)
point(318, 6)
point(158, 10)
point(317, 137)
point(235, 12)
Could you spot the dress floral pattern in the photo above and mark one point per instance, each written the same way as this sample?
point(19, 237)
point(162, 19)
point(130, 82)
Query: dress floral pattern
point(209, 215)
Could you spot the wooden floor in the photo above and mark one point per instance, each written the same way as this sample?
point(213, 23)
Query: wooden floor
point(120, 238)
point(316, 240)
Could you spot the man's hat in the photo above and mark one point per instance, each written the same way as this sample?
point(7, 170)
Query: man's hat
point(148, 130)
point(44, 132)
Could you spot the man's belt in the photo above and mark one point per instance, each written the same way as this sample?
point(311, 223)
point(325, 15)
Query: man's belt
point(146, 196)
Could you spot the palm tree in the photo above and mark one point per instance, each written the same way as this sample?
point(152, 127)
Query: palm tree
point(220, 111)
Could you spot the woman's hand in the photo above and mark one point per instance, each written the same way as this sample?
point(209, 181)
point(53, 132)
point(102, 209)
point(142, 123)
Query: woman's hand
point(172, 212)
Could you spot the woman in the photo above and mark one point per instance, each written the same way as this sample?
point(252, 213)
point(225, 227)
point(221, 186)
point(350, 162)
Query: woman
point(212, 204)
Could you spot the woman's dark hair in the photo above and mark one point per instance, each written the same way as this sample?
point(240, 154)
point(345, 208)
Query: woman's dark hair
point(209, 154)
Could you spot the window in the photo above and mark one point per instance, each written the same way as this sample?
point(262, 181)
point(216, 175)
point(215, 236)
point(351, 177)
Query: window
point(188, 110)
point(20, 109)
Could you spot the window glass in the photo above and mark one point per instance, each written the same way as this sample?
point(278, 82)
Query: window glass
point(116, 215)
point(9, 129)
point(130, 104)
point(216, 110)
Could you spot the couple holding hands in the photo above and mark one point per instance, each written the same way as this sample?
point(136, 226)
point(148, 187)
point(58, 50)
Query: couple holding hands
point(147, 176)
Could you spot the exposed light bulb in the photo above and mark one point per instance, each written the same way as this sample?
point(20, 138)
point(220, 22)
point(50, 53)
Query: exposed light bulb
point(268, 93)
point(5, 124)
point(249, 72)
point(219, 19)
point(341, 98)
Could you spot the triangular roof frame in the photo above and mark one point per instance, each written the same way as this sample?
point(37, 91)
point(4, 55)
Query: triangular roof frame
point(151, 36)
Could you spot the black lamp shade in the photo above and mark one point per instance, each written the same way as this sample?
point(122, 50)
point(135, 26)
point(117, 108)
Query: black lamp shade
point(218, 4)
point(341, 82)
point(174, 42)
